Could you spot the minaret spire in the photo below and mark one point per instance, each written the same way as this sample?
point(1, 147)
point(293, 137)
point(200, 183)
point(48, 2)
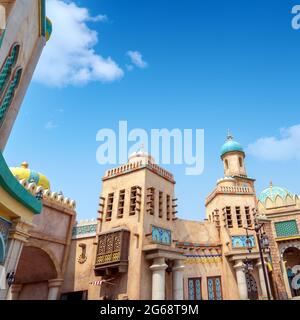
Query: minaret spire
point(229, 135)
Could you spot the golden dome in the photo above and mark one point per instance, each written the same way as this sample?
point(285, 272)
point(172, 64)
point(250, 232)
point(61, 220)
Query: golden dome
point(24, 173)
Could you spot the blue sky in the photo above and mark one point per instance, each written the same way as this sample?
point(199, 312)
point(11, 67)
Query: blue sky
point(207, 64)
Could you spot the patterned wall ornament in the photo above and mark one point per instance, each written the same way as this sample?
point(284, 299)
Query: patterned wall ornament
point(241, 241)
point(286, 229)
point(84, 230)
point(202, 259)
point(82, 257)
point(161, 236)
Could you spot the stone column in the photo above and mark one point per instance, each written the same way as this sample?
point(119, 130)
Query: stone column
point(241, 280)
point(263, 284)
point(15, 291)
point(177, 270)
point(158, 269)
point(54, 288)
point(18, 236)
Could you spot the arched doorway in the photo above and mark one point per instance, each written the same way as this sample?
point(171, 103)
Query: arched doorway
point(292, 257)
point(35, 269)
point(252, 287)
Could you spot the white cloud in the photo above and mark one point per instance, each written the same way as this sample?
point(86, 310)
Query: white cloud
point(137, 59)
point(69, 57)
point(51, 125)
point(286, 147)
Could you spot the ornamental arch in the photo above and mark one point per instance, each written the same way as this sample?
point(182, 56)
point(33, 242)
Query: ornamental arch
point(36, 268)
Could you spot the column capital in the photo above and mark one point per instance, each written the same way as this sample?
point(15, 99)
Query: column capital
point(178, 265)
point(53, 283)
point(239, 264)
point(158, 264)
point(20, 230)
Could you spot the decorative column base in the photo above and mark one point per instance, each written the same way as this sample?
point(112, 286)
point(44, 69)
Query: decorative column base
point(158, 278)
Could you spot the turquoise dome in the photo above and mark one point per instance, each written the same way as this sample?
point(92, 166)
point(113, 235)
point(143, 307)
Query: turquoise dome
point(231, 146)
point(272, 192)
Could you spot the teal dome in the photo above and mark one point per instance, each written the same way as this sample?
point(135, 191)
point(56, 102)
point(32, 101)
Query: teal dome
point(231, 146)
point(272, 192)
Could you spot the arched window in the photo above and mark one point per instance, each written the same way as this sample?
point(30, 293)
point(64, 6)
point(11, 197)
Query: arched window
point(10, 92)
point(226, 164)
point(8, 66)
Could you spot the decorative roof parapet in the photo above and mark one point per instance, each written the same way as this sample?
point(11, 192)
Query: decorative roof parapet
point(130, 167)
point(229, 190)
point(55, 197)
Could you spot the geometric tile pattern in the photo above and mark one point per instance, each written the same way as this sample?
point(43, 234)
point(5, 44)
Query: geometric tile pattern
point(286, 229)
point(82, 230)
point(202, 259)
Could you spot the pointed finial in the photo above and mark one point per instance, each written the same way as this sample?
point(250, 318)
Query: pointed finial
point(271, 184)
point(229, 135)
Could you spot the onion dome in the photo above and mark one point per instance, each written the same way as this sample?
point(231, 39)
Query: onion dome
point(24, 173)
point(140, 155)
point(273, 192)
point(231, 146)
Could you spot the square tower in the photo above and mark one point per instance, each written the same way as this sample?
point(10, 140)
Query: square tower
point(136, 221)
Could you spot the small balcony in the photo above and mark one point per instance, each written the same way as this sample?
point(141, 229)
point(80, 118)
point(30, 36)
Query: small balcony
point(112, 252)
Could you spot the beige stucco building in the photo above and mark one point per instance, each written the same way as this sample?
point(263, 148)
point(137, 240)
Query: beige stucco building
point(24, 30)
point(139, 249)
